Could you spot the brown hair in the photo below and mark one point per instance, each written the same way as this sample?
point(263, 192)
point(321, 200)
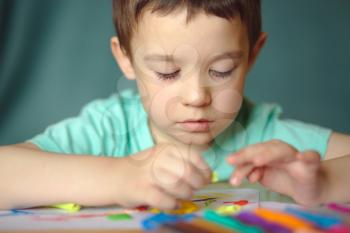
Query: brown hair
point(126, 14)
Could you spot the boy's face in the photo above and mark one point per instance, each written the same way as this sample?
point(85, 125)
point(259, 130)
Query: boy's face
point(190, 75)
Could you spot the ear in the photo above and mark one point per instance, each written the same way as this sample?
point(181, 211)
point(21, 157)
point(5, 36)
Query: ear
point(257, 48)
point(122, 59)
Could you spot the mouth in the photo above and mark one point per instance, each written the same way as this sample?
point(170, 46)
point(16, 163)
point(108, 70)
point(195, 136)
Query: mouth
point(200, 125)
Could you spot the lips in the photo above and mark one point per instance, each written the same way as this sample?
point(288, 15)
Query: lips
point(200, 125)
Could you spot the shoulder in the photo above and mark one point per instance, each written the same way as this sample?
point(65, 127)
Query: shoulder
point(258, 116)
point(249, 126)
point(101, 127)
point(120, 114)
point(118, 104)
point(264, 122)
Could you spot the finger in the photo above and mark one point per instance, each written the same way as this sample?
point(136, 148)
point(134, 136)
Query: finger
point(178, 170)
point(240, 173)
point(173, 185)
point(195, 178)
point(309, 156)
point(157, 198)
point(182, 191)
point(202, 166)
point(178, 190)
point(265, 153)
point(198, 171)
point(307, 164)
point(246, 155)
point(191, 168)
point(256, 175)
point(194, 156)
point(169, 165)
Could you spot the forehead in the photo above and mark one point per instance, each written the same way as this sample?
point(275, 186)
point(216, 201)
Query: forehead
point(204, 33)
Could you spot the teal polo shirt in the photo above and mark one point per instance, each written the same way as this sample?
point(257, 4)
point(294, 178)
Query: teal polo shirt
point(118, 127)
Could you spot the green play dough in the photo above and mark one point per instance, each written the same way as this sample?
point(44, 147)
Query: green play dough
point(119, 217)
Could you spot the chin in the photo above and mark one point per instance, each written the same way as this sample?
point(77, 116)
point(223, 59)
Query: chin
point(199, 139)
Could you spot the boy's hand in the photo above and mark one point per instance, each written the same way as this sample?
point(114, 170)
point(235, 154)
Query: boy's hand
point(281, 168)
point(158, 177)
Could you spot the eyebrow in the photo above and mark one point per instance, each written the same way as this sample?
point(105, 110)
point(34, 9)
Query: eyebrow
point(170, 58)
point(158, 57)
point(232, 55)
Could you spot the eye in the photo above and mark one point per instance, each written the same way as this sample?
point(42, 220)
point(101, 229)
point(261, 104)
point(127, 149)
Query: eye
point(168, 76)
point(218, 74)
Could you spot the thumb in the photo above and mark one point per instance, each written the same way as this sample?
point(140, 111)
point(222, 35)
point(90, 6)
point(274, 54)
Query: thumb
point(309, 156)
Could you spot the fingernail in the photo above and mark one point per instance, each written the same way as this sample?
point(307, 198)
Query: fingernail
point(230, 159)
point(234, 181)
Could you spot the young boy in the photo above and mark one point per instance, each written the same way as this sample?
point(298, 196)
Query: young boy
point(189, 60)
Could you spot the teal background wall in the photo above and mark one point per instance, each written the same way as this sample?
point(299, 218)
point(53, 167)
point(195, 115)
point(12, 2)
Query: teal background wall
point(305, 64)
point(54, 58)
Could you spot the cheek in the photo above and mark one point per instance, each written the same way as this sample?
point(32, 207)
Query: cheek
point(143, 91)
point(161, 105)
point(227, 101)
point(158, 100)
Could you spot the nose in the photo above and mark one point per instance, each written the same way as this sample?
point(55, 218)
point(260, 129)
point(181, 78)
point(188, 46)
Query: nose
point(195, 93)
